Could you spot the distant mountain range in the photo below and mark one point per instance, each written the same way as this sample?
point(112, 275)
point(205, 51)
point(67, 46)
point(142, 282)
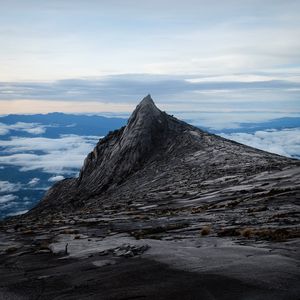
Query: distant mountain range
point(60, 123)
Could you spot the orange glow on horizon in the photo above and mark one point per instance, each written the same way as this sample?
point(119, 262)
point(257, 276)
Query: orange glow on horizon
point(47, 106)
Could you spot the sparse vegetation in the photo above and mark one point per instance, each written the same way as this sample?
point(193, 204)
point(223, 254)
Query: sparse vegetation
point(11, 250)
point(277, 235)
point(257, 209)
point(199, 209)
point(228, 232)
point(44, 245)
point(247, 232)
point(205, 230)
point(70, 231)
point(28, 231)
point(233, 203)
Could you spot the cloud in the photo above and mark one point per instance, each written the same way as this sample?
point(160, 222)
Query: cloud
point(3, 131)
point(283, 142)
point(248, 91)
point(64, 155)
point(32, 128)
point(157, 36)
point(7, 198)
point(9, 187)
point(33, 182)
point(56, 178)
point(17, 213)
point(130, 87)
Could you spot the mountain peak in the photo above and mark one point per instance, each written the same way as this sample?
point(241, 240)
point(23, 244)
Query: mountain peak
point(145, 110)
point(158, 148)
point(145, 120)
point(124, 151)
point(147, 101)
point(154, 182)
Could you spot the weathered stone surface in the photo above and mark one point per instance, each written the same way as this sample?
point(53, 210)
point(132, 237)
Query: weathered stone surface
point(157, 159)
point(154, 200)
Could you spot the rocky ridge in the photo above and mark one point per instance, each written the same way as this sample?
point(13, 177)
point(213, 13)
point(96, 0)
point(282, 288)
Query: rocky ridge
point(156, 151)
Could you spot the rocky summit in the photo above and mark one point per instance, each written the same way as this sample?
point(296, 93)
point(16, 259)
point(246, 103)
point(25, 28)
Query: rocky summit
point(161, 210)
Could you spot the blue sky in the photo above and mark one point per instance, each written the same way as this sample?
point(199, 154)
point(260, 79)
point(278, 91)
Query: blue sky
point(100, 56)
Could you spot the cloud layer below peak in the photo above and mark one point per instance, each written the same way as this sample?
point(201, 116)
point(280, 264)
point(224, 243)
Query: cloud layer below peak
point(283, 142)
point(63, 155)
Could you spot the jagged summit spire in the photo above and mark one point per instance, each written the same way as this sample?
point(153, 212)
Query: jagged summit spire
point(128, 148)
point(148, 104)
point(147, 101)
point(153, 149)
point(146, 112)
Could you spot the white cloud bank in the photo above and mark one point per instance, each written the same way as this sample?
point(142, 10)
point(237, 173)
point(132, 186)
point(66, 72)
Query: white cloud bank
point(7, 198)
point(9, 187)
point(56, 178)
point(33, 182)
point(17, 213)
point(32, 128)
point(283, 142)
point(63, 155)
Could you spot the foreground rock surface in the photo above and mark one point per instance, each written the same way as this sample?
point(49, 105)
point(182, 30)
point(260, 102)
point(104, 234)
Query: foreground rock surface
point(96, 267)
point(161, 210)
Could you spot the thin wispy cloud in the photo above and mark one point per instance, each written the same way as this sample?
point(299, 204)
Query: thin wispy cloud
point(63, 39)
point(9, 187)
point(7, 200)
point(122, 92)
point(109, 54)
point(33, 182)
point(18, 212)
point(129, 87)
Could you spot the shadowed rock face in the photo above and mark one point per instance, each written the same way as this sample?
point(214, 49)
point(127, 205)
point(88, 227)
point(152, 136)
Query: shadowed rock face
point(125, 151)
point(153, 152)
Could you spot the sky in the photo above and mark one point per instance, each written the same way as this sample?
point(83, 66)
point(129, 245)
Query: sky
point(193, 55)
point(220, 64)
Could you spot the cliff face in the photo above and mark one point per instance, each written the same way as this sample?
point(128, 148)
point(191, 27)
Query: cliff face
point(124, 151)
point(155, 150)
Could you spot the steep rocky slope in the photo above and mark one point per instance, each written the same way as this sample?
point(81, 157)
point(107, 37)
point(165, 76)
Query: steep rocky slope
point(154, 158)
point(161, 210)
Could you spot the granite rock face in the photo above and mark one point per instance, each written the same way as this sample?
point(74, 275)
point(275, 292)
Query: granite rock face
point(157, 152)
point(161, 210)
